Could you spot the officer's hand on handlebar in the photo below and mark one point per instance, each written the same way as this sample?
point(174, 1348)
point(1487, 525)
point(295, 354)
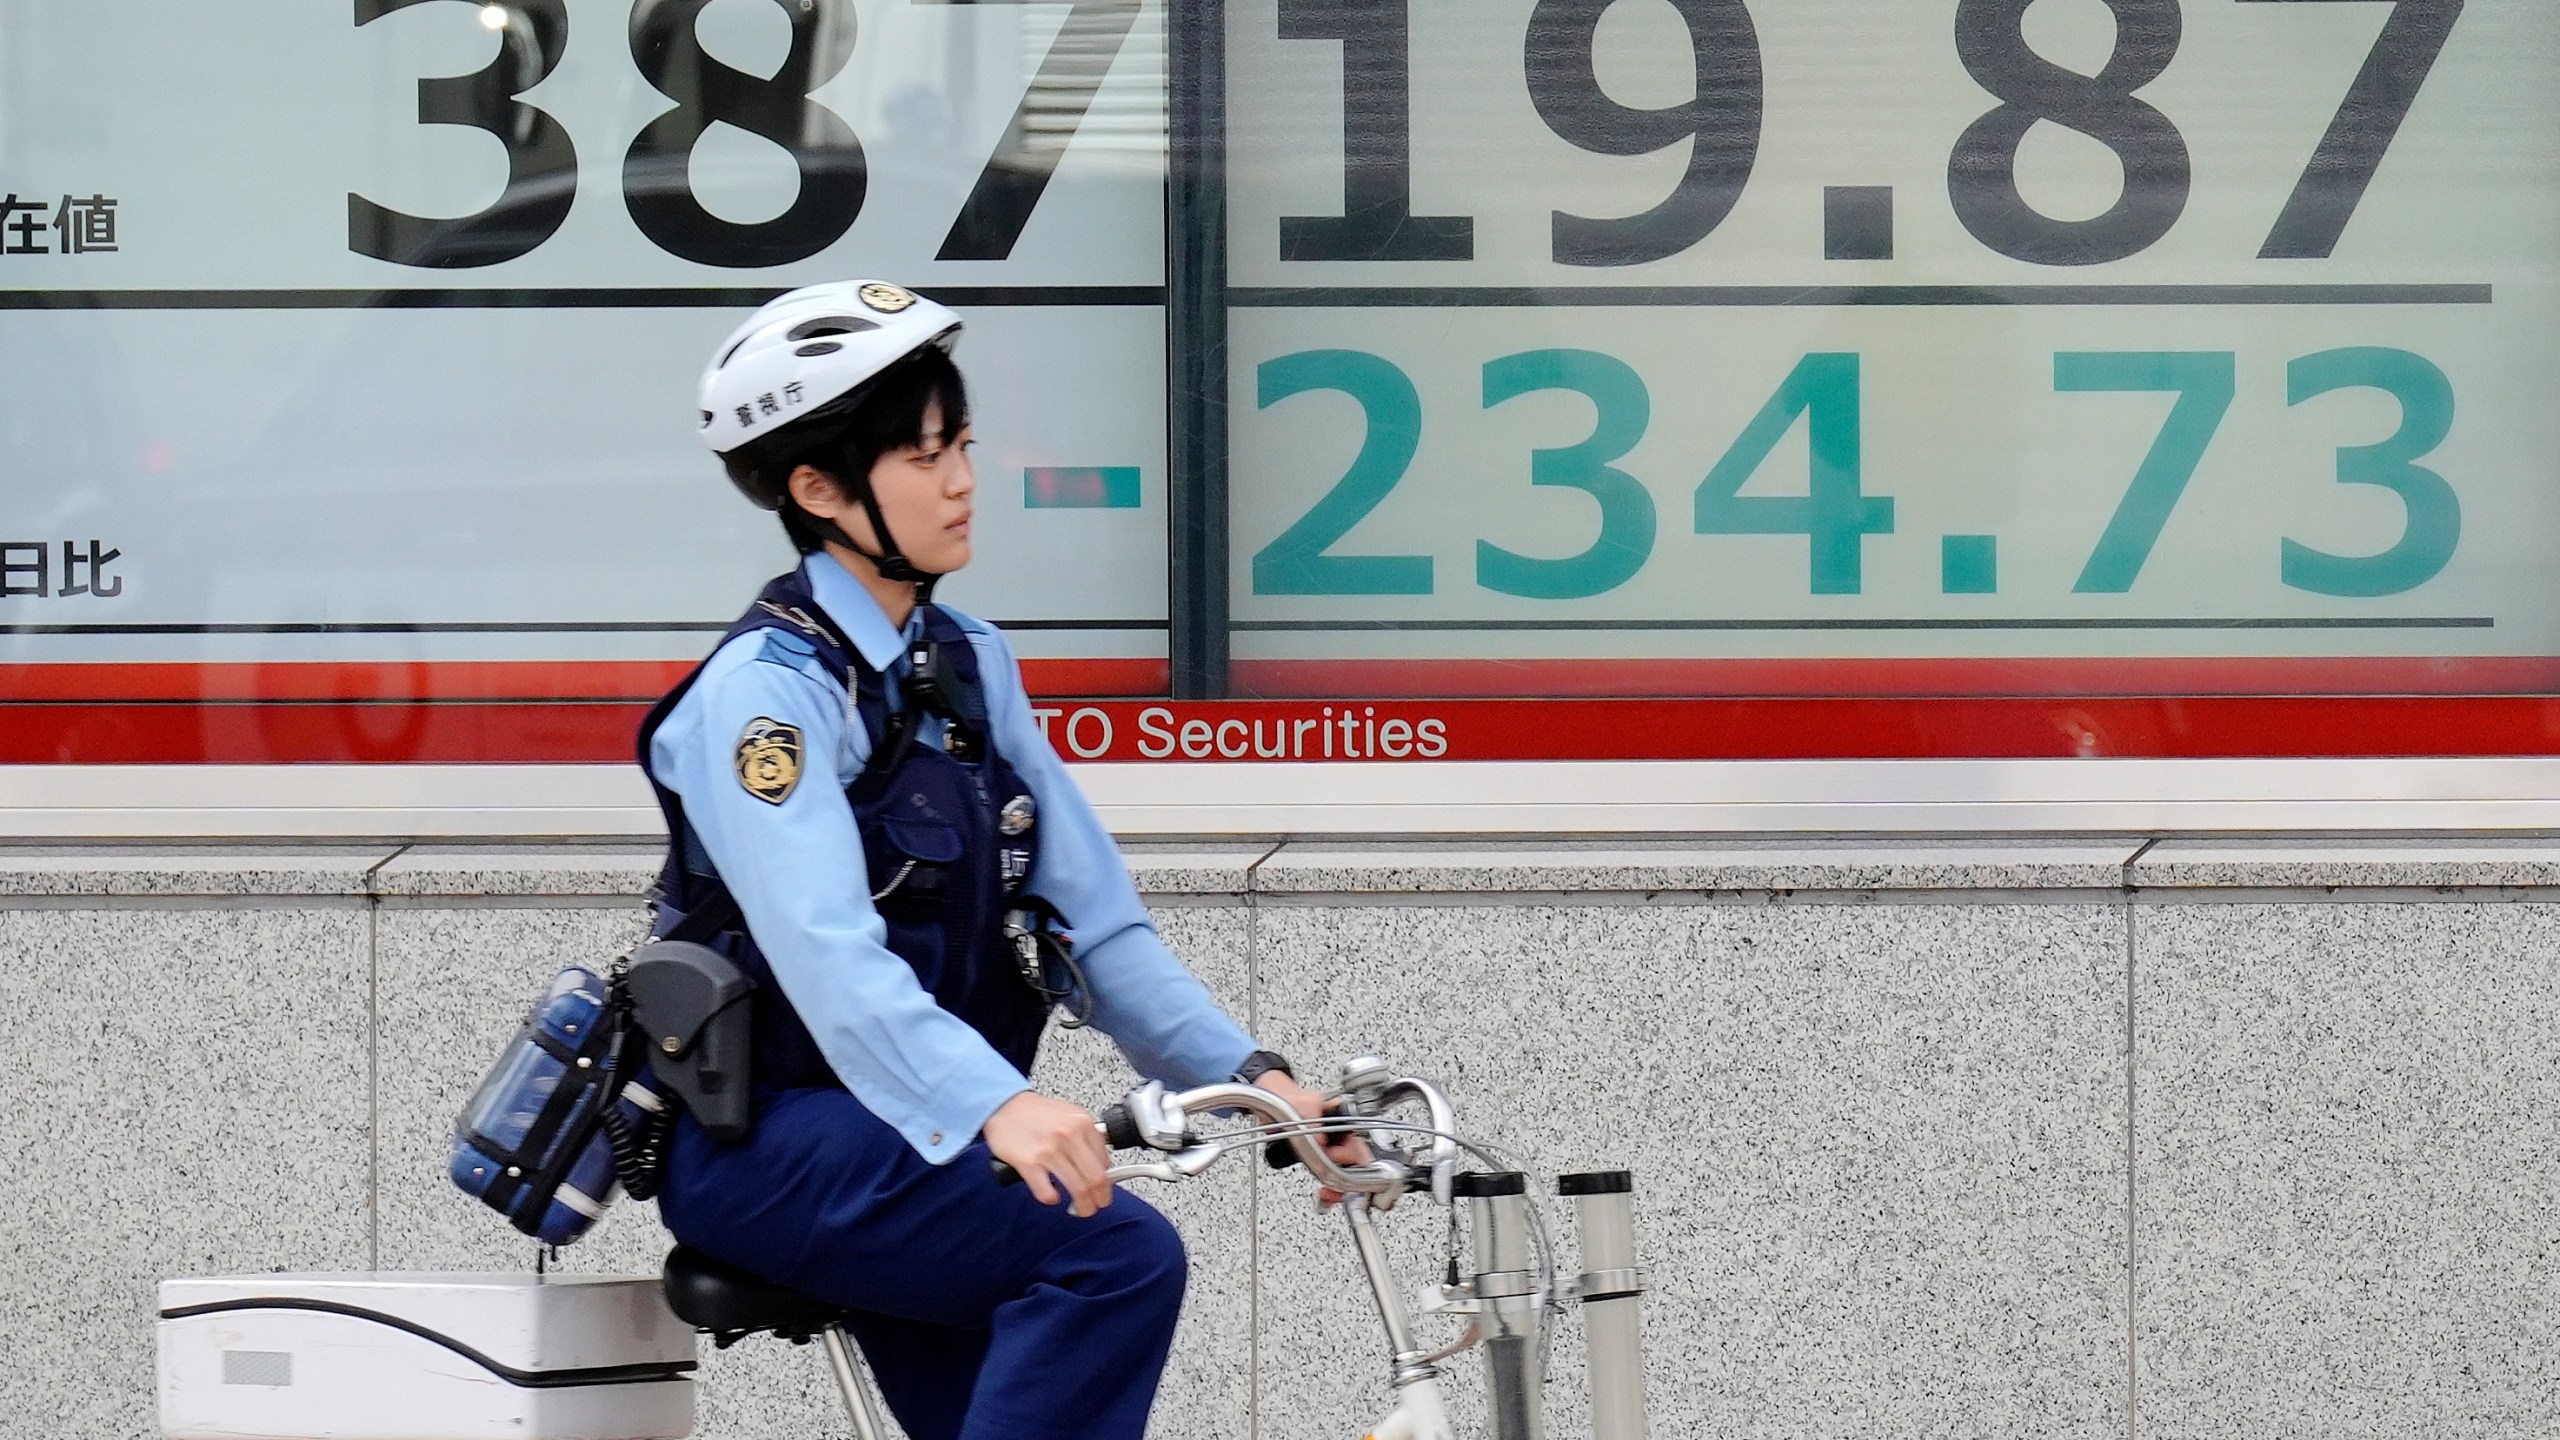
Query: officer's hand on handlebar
point(1042, 1138)
point(1342, 1149)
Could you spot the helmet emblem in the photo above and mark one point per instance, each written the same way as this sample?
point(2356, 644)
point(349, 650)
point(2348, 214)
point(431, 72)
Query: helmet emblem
point(887, 299)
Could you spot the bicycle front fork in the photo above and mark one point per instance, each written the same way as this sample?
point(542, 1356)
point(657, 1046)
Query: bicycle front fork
point(1509, 1310)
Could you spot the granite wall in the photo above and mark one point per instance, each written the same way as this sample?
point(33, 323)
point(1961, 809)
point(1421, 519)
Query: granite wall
point(2175, 1138)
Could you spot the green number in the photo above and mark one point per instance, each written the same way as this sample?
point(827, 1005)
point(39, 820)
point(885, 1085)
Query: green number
point(1626, 509)
point(1295, 564)
point(2204, 382)
point(2435, 512)
point(1833, 516)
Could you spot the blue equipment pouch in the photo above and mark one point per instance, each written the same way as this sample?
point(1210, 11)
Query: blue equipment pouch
point(568, 1119)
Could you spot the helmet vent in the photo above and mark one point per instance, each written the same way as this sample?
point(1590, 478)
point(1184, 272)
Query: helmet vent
point(818, 347)
point(830, 325)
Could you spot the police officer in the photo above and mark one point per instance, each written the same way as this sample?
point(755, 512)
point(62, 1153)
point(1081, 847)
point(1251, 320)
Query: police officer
point(868, 818)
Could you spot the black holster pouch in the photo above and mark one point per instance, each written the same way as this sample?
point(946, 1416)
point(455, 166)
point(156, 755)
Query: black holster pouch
point(697, 1009)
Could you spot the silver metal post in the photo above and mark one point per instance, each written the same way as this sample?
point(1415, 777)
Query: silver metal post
point(857, 1399)
point(1507, 1303)
point(1410, 1364)
point(1610, 1289)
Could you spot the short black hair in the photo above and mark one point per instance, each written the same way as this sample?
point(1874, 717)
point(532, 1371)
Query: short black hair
point(846, 436)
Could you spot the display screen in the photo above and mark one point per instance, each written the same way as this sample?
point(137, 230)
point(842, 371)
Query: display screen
point(354, 348)
point(2107, 342)
point(1601, 378)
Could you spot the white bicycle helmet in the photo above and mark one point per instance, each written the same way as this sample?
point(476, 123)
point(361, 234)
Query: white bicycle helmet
point(810, 347)
point(805, 351)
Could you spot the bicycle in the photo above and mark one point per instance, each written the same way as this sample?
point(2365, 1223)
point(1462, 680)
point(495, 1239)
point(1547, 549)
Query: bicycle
point(504, 1354)
point(1508, 1300)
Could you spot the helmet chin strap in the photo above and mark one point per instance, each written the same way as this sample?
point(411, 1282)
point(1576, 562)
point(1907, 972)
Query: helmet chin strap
point(891, 562)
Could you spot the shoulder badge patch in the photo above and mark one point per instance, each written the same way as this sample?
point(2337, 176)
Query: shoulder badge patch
point(887, 299)
point(769, 760)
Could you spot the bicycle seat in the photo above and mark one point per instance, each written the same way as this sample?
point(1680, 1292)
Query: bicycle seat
point(730, 1303)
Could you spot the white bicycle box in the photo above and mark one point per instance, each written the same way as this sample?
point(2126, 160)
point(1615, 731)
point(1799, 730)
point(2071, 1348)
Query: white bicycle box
point(423, 1357)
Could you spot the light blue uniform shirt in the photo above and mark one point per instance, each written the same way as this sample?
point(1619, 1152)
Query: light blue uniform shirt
point(797, 871)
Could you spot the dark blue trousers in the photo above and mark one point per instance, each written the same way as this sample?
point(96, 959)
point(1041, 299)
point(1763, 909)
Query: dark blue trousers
point(985, 1315)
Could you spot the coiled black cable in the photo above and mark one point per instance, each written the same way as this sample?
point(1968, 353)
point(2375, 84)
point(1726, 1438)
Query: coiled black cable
point(639, 1151)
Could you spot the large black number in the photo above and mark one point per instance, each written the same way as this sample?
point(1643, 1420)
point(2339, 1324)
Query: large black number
point(656, 179)
point(1982, 176)
point(1009, 189)
point(1723, 124)
point(1377, 220)
point(2325, 199)
point(542, 166)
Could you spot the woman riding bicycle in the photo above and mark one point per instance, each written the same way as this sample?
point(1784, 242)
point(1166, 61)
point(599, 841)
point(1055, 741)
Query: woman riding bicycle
point(858, 771)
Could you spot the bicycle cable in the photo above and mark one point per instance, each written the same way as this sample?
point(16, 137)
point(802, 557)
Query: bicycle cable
point(1549, 1301)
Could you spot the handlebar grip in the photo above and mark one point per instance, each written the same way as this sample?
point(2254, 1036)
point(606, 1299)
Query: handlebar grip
point(1119, 1131)
point(1280, 1154)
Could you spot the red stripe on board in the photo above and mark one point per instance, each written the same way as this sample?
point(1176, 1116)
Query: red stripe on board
point(253, 733)
point(346, 680)
point(450, 680)
point(1048, 678)
point(1865, 728)
point(2190, 727)
point(2032, 676)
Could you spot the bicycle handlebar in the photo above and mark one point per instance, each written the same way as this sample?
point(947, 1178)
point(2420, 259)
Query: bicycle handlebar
point(1122, 1129)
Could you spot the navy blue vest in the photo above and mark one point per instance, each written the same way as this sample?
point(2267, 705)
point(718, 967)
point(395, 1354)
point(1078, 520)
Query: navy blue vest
point(943, 872)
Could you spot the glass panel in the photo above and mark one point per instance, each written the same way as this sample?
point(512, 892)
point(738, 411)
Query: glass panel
point(1729, 377)
point(2057, 373)
point(354, 348)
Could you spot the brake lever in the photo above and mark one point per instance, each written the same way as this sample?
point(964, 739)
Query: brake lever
point(1182, 1164)
point(1154, 1119)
